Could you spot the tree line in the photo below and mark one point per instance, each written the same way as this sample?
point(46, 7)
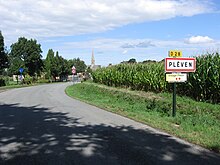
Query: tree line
point(27, 54)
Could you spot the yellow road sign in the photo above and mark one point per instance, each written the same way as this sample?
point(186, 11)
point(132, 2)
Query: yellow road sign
point(175, 53)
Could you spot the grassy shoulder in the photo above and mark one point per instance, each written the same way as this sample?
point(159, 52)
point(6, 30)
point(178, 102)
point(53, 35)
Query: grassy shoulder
point(195, 122)
point(4, 88)
point(13, 85)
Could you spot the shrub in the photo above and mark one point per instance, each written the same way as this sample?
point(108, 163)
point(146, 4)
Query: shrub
point(2, 82)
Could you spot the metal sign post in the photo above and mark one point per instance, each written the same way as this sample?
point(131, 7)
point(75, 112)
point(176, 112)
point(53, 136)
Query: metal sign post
point(174, 100)
point(21, 70)
point(74, 74)
point(73, 70)
point(176, 68)
point(175, 78)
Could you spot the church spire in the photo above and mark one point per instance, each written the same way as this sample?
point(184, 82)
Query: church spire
point(93, 58)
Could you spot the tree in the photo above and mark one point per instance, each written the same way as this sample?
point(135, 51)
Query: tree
point(61, 65)
point(56, 66)
point(132, 60)
point(79, 65)
point(15, 64)
point(3, 54)
point(149, 61)
point(49, 63)
point(27, 54)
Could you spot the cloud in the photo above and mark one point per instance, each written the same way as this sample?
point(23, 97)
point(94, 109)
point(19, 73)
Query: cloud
point(138, 44)
point(99, 52)
point(144, 44)
point(73, 17)
point(114, 53)
point(125, 52)
point(199, 40)
point(124, 45)
point(128, 45)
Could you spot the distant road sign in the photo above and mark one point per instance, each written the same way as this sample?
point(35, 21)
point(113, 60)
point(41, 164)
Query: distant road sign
point(180, 64)
point(176, 77)
point(73, 70)
point(175, 53)
point(21, 70)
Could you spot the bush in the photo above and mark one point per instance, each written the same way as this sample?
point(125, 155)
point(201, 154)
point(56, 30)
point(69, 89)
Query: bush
point(2, 82)
point(43, 81)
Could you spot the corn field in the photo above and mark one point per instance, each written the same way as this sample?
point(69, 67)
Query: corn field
point(203, 85)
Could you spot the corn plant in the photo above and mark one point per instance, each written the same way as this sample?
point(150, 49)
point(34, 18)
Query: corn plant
point(203, 85)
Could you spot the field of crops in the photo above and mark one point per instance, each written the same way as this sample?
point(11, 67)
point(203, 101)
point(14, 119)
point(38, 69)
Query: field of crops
point(203, 85)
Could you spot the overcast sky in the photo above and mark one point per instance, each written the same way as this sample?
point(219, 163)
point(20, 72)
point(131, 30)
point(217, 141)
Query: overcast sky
point(116, 30)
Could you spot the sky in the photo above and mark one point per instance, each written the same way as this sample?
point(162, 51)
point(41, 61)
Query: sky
point(115, 30)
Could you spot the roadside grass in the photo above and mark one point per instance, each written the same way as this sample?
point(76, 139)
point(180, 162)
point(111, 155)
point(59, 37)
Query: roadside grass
point(3, 88)
point(15, 84)
point(196, 122)
point(12, 85)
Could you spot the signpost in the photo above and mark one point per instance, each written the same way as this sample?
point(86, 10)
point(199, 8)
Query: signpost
point(21, 70)
point(176, 69)
point(75, 77)
point(73, 70)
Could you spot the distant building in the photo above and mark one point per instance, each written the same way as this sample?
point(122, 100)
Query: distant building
point(93, 66)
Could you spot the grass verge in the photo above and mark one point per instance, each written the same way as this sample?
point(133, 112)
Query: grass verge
point(12, 86)
point(196, 122)
point(15, 85)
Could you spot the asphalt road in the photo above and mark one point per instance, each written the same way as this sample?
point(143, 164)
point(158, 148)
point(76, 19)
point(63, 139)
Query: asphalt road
point(40, 125)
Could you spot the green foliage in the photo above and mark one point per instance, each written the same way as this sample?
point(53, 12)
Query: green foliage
point(43, 81)
point(3, 54)
point(198, 122)
point(27, 80)
point(203, 85)
point(130, 61)
point(148, 77)
point(5, 80)
point(60, 65)
point(26, 54)
point(55, 66)
point(2, 82)
point(15, 64)
point(79, 65)
point(48, 63)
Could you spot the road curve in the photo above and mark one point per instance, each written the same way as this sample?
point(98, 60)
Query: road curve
point(40, 125)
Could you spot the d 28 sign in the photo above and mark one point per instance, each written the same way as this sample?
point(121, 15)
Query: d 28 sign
point(180, 64)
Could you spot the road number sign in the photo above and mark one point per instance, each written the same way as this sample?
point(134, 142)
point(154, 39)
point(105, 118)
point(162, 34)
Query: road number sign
point(180, 64)
point(176, 77)
point(175, 53)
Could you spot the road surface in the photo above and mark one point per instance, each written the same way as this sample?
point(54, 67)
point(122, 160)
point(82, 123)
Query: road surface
point(40, 125)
